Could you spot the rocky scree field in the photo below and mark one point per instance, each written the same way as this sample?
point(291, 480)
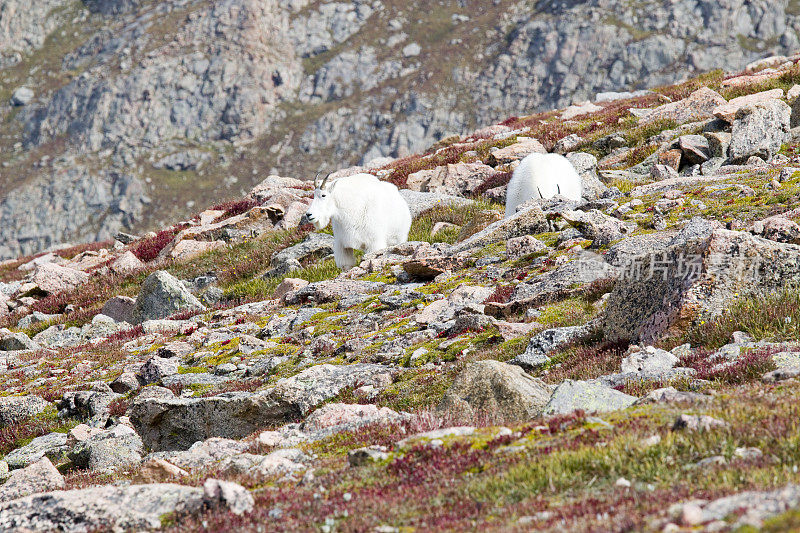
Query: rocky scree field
point(627, 362)
point(127, 114)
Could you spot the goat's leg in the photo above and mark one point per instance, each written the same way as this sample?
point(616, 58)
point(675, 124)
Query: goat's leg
point(345, 257)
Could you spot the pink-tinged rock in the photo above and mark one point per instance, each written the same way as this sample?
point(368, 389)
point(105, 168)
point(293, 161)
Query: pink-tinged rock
point(81, 433)
point(126, 264)
point(457, 179)
point(274, 184)
point(752, 79)
point(524, 245)
point(41, 260)
point(209, 216)
point(4, 304)
point(515, 152)
point(491, 131)
point(87, 260)
point(158, 471)
point(38, 477)
point(440, 227)
point(288, 285)
point(337, 414)
point(577, 110)
point(345, 172)
point(778, 228)
point(52, 278)
point(671, 158)
point(514, 330)
point(189, 249)
point(765, 63)
point(430, 267)
point(292, 215)
point(697, 106)
point(727, 111)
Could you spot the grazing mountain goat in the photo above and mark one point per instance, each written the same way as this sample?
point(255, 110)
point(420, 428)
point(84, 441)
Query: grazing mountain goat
point(366, 214)
point(542, 176)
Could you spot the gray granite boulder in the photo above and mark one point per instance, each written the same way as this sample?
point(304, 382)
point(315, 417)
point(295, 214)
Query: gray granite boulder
point(162, 295)
point(499, 390)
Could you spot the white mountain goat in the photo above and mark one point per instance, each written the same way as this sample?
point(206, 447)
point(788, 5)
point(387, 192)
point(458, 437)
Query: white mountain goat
point(366, 214)
point(542, 176)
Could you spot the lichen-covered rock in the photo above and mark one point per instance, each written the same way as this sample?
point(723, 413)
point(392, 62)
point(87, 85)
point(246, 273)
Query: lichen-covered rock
point(53, 278)
point(590, 397)
point(600, 228)
point(649, 359)
point(15, 409)
point(697, 275)
point(759, 130)
point(498, 390)
point(546, 341)
point(527, 221)
point(113, 508)
point(17, 341)
point(53, 446)
point(697, 106)
point(586, 166)
point(557, 284)
point(162, 295)
point(288, 259)
point(40, 476)
point(202, 454)
point(156, 368)
point(176, 424)
point(332, 289)
point(109, 451)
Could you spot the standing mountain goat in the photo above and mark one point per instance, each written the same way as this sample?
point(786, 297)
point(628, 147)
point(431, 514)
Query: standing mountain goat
point(542, 176)
point(366, 214)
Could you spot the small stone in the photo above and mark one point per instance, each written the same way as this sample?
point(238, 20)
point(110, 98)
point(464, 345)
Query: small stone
point(22, 96)
point(568, 144)
point(441, 227)
point(364, 456)
point(157, 470)
point(411, 50)
point(579, 109)
point(697, 423)
point(661, 171)
point(649, 360)
point(524, 245)
point(156, 368)
point(691, 514)
point(748, 453)
point(126, 264)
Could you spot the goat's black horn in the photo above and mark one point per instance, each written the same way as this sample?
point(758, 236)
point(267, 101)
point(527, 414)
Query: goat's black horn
point(321, 185)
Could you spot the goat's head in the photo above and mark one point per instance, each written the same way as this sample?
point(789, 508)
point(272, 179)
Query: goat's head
point(322, 207)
